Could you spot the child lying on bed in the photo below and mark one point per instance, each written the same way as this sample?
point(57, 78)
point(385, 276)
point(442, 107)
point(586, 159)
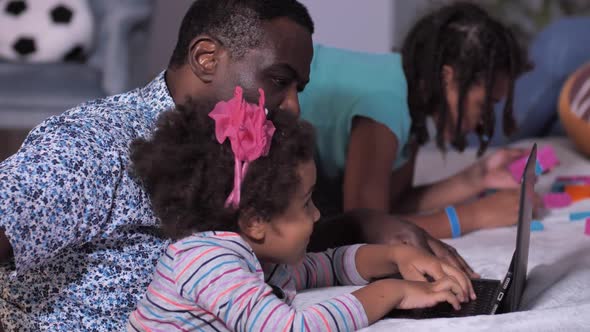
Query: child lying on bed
point(371, 110)
point(240, 214)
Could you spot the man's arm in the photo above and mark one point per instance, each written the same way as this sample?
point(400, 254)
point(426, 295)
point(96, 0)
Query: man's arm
point(5, 251)
point(57, 190)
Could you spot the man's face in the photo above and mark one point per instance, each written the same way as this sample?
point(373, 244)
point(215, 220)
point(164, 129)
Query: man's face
point(280, 66)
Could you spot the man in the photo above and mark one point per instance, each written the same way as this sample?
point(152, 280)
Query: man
point(79, 228)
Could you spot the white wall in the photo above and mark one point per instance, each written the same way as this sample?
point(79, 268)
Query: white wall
point(166, 21)
point(363, 25)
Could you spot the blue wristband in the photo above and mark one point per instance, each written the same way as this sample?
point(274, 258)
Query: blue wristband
point(454, 221)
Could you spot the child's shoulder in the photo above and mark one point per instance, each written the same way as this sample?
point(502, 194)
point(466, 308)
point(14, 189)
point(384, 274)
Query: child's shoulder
point(365, 72)
point(210, 244)
point(211, 249)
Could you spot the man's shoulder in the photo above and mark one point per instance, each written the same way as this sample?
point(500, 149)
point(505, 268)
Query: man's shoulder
point(127, 115)
point(119, 110)
point(112, 120)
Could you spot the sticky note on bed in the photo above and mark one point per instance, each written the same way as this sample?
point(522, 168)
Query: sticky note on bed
point(578, 192)
point(537, 226)
point(576, 179)
point(557, 200)
point(546, 161)
point(517, 168)
point(547, 158)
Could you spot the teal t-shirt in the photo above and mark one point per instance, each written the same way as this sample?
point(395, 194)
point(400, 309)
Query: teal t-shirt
point(345, 84)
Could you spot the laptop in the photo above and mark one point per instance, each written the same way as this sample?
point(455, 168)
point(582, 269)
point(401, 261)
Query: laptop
point(495, 296)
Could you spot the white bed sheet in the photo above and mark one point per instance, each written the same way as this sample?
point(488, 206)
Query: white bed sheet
point(557, 297)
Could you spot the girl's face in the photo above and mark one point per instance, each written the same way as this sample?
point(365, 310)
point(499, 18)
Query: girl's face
point(474, 101)
point(286, 237)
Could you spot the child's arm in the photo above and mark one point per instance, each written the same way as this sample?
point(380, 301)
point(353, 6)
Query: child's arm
point(372, 150)
point(448, 191)
point(499, 209)
point(231, 288)
point(333, 267)
point(371, 182)
point(490, 172)
point(378, 261)
point(382, 296)
point(226, 285)
point(357, 264)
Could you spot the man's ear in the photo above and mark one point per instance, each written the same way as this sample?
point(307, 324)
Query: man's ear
point(254, 228)
point(204, 55)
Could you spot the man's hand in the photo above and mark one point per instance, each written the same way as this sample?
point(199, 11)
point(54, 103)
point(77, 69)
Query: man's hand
point(382, 228)
point(366, 226)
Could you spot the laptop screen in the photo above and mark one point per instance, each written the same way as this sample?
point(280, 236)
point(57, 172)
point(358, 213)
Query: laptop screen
point(521, 255)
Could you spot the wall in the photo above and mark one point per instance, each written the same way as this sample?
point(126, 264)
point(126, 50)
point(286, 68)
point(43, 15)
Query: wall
point(360, 25)
point(363, 25)
point(168, 15)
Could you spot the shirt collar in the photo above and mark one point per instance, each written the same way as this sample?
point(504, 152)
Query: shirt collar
point(156, 95)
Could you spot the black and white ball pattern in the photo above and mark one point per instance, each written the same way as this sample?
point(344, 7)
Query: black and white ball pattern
point(45, 30)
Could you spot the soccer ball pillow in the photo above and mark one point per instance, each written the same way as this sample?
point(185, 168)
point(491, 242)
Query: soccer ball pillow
point(45, 30)
point(574, 108)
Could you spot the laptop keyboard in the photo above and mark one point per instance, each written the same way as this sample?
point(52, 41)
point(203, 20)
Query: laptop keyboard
point(485, 291)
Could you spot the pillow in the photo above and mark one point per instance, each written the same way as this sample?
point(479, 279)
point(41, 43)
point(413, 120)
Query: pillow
point(40, 31)
point(574, 108)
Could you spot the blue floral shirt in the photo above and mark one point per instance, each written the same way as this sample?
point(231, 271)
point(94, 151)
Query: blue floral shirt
point(84, 237)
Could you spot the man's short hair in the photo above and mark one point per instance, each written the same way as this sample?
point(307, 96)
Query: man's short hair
point(237, 24)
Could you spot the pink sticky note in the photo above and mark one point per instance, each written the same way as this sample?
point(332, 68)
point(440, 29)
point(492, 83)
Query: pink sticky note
point(587, 230)
point(547, 158)
point(557, 200)
point(575, 179)
point(517, 168)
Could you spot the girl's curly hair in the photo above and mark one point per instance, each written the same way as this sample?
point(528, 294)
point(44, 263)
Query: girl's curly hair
point(188, 175)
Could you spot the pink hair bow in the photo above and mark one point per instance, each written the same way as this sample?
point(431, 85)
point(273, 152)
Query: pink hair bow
point(249, 132)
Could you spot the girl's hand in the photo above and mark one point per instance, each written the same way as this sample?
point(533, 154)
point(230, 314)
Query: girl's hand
point(415, 264)
point(491, 172)
point(419, 294)
point(380, 297)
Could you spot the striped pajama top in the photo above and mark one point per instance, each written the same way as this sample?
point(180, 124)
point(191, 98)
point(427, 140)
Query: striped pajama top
point(212, 281)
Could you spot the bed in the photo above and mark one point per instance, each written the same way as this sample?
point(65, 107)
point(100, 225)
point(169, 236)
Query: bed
point(557, 296)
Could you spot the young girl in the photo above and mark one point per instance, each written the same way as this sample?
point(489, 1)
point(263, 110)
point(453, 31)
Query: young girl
point(370, 112)
point(233, 190)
